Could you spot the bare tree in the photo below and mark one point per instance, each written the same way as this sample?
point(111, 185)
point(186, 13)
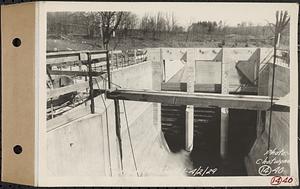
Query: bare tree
point(128, 22)
point(174, 22)
point(110, 21)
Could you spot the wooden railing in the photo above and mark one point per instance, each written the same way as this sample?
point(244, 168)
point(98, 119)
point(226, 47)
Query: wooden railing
point(85, 69)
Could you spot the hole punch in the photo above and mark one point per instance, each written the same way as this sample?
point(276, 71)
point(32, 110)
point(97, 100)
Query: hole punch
point(18, 149)
point(16, 42)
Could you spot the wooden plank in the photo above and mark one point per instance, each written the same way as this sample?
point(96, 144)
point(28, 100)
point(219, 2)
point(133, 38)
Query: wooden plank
point(97, 56)
point(70, 88)
point(57, 58)
point(62, 60)
point(170, 86)
point(249, 102)
point(64, 53)
point(74, 73)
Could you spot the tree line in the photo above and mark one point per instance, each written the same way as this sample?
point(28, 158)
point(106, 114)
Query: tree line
point(161, 25)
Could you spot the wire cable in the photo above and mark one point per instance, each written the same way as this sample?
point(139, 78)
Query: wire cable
point(130, 141)
point(128, 130)
point(272, 95)
point(107, 127)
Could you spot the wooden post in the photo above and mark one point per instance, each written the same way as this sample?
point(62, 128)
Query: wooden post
point(135, 61)
point(123, 60)
point(91, 84)
point(118, 130)
point(189, 123)
point(164, 71)
point(256, 77)
point(224, 111)
point(52, 110)
point(117, 60)
point(112, 60)
point(108, 69)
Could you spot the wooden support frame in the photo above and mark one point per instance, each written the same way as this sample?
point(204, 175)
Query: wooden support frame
point(72, 88)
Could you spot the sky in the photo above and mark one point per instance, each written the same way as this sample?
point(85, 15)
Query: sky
point(187, 12)
point(231, 14)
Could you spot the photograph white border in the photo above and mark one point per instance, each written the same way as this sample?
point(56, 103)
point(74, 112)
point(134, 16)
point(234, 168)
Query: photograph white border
point(44, 180)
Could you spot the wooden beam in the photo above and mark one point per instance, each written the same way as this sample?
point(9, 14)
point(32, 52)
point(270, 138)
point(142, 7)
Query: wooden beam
point(249, 102)
point(56, 58)
point(74, 73)
point(91, 84)
point(67, 89)
point(70, 88)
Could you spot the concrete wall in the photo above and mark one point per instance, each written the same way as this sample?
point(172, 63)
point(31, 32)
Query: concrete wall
point(137, 76)
point(204, 56)
point(279, 137)
point(76, 149)
point(88, 146)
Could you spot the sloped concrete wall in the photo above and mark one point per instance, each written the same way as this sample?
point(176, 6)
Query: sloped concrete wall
point(88, 146)
point(279, 136)
point(81, 147)
point(76, 149)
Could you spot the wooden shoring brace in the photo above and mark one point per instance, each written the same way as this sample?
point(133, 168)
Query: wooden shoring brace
point(224, 126)
point(118, 130)
point(189, 112)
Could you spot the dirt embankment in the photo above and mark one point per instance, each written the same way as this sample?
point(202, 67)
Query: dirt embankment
point(63, 43)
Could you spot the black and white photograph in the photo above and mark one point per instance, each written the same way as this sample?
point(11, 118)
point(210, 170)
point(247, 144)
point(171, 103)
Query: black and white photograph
point(183, 90)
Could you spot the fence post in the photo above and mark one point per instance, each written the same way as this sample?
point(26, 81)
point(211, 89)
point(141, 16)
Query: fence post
point(135, 61)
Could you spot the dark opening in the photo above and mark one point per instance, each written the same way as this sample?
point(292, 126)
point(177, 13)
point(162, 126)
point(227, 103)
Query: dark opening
point(206, 151)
